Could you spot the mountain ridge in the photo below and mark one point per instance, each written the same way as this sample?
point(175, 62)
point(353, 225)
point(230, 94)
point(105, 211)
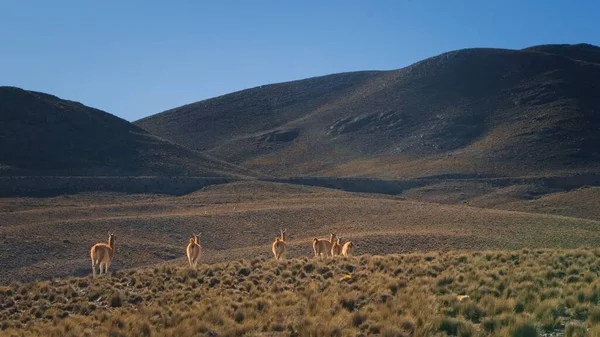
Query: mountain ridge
point(472, 110)
point(45, 135)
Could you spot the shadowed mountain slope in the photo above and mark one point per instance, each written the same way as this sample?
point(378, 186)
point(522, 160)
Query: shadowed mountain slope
point(583, 51)
point(485, 111)
point(41, 134)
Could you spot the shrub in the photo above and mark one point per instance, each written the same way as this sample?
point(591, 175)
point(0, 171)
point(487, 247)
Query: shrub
point(116, 300)
point(472, 311)
point(594, 315)
point(408, 325)
point(239, 316)
point(358, 318)
point(445, 281)
point(449, 325)
point(523, 329)
point(575, 330)
point(142, 330)
point(519, 307)
point(348, 303)
point(393, 332)
point(309, 267)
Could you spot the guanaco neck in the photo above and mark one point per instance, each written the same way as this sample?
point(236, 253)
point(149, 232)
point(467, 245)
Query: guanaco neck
point(282, 236)
point(111, 242)
point(331, 239)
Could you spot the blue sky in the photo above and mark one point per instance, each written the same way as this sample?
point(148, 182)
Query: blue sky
point(136, 58)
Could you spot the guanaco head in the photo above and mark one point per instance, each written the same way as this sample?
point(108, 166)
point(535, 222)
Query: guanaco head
point(111, 239)
point(196, 237)
point(283, 234)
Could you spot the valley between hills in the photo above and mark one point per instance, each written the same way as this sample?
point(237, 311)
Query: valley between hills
point(471, 172)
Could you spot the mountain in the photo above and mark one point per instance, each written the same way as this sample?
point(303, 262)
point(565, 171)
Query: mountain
point(494, 112)
point(41, 134)
point(582, 52)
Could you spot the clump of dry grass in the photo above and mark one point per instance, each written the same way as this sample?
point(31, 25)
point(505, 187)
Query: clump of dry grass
point(394, 295)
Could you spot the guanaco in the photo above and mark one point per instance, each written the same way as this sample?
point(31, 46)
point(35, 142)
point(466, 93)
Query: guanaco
point(279, 247)
point(322, 247)
point(194, 250)
point(336, 248)
point(102, 254)
point(347, 248)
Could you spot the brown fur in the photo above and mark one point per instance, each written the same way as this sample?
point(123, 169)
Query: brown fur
point(102, 254)
point(194, 250)
point(278, 248)
point(322, 247)
point(336, 248)
point(347, 248)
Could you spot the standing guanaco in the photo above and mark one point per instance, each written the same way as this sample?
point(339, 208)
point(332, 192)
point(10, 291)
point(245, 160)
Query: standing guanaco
point(102, 254)
point(322, 247)
point(194, 250)
point(279, 246)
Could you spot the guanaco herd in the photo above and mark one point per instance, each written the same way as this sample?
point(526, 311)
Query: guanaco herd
point(103, 253)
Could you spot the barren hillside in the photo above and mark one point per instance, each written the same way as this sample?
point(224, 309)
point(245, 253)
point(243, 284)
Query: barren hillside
point(487, 111)
point(42, 134)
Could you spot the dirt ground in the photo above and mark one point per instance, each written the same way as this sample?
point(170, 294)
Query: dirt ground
point(42, 238)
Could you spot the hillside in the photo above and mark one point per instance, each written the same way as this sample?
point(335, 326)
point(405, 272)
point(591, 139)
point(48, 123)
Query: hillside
point(493, 112)
point(42, 134)
point(582, 52)
point(531, 292)
point(240, 220)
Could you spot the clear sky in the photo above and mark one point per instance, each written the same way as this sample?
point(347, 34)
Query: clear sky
point(136, 58)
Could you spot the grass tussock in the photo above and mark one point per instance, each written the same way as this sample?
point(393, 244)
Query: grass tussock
point(395, 295)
